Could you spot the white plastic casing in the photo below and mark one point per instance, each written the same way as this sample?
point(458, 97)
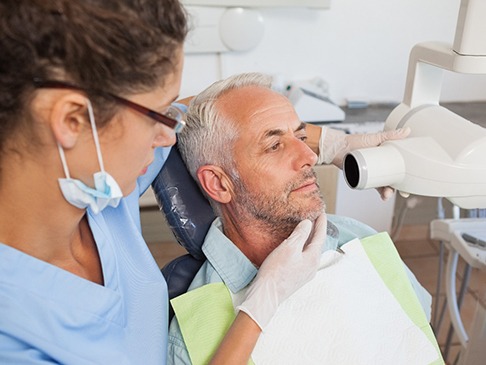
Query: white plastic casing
point(444, 156)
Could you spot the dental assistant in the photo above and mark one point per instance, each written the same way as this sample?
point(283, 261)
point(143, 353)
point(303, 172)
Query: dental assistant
point(86, 123)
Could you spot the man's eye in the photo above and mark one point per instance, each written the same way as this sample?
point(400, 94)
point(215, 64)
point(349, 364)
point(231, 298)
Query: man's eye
point(303, 138)
point(274, 147)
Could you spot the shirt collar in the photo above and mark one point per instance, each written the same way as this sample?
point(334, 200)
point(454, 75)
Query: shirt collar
point(233, 266)
point(229, 262)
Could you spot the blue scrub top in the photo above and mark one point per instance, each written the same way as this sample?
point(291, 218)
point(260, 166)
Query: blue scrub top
point(48, 315)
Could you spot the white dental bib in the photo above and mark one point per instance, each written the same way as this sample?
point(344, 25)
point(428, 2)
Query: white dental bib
point(345, 315)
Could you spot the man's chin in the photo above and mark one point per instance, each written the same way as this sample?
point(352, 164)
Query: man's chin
point(312, 215)
point(312, 210)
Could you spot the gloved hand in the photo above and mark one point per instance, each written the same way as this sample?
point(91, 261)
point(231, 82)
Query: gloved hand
point(285, 270)
point(335, 144)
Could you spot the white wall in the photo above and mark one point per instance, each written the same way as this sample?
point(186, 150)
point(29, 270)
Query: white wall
point(359, 47)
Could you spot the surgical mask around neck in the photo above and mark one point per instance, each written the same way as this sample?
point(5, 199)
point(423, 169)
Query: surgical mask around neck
point(106, 191)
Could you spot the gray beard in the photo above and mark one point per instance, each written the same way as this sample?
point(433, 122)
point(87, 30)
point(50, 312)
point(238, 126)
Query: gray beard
point(273, 215)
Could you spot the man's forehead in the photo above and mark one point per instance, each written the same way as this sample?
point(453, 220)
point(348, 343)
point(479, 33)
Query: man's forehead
point(243, 100)
point(259, 107)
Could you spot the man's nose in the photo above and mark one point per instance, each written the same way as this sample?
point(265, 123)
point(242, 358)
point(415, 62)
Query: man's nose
point(304, 156)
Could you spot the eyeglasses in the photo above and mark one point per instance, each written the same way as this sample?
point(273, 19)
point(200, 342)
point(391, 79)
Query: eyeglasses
point(172, 117)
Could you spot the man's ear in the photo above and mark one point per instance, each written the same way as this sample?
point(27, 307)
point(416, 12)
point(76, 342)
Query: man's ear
point(215, 183)
point(68, 117)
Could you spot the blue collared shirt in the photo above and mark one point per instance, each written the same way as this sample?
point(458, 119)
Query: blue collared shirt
point(226, 263)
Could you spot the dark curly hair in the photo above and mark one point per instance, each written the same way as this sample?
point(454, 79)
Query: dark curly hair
point(119, 46)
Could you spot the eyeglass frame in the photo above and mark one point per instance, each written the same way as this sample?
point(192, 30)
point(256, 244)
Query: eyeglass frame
point(177, 123)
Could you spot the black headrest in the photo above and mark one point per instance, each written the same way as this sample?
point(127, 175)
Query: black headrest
point(186, 209)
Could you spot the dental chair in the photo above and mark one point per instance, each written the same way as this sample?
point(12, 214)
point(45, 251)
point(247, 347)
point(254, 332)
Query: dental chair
point(189, 216)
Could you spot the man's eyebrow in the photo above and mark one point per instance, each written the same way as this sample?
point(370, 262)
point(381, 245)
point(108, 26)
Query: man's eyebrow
point(300, 127)
point(280, 132)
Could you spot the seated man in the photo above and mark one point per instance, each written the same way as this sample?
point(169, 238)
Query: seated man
point(245, 146)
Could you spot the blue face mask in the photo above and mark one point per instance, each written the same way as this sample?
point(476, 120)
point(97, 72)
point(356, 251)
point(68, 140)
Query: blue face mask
point(106, 191)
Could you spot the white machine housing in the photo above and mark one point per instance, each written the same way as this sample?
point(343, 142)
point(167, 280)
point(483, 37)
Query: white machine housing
point(312, 103)
point(445, 154)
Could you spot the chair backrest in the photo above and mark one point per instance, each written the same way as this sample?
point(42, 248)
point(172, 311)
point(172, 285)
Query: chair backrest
point(189, 216)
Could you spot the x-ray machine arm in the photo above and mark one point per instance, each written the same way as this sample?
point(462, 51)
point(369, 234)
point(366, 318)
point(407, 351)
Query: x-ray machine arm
point(445, 155)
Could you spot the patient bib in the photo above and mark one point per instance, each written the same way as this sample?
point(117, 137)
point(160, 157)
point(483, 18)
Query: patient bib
point(359, 309)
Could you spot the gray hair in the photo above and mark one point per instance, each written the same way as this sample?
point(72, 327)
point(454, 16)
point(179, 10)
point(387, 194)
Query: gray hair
point(208, 137)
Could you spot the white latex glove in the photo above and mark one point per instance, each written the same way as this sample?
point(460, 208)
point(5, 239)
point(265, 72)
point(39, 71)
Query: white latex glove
point(285, 270)
point(335, 144)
